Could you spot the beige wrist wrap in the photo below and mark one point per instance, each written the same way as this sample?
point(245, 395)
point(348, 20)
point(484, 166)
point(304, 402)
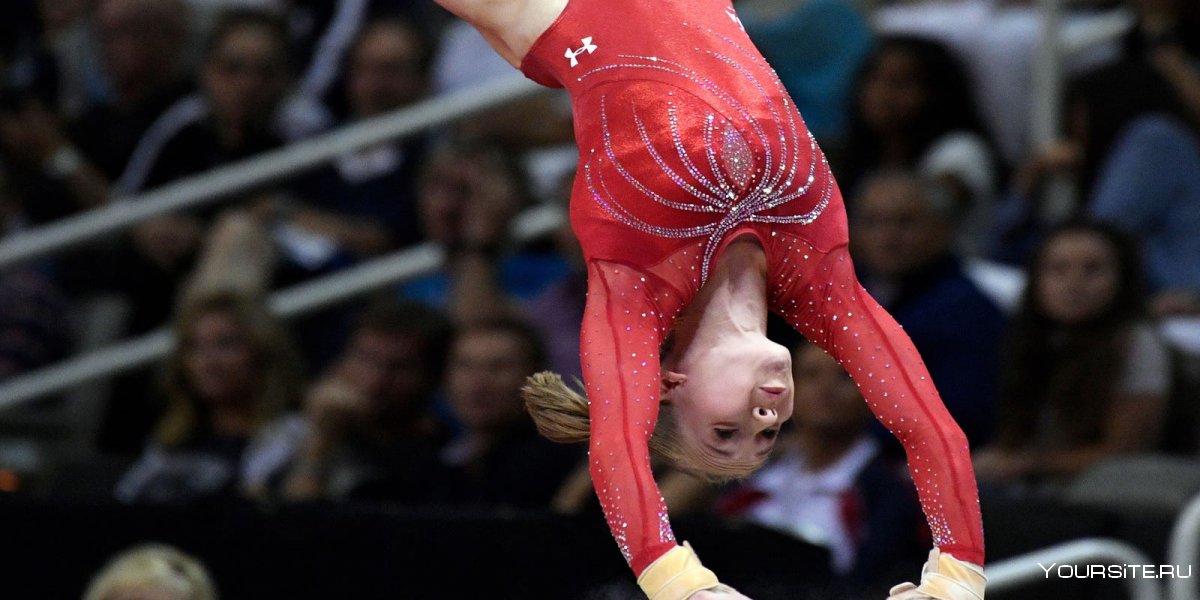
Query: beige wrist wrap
point(676, 575)
point(947, 578)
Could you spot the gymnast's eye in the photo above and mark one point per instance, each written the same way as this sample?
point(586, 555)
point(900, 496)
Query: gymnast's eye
point(725, 434)
point(770, 434)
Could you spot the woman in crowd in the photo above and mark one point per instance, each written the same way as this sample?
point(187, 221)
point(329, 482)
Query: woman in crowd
point(230, 378)
point(1086, 376)
point(912, 108)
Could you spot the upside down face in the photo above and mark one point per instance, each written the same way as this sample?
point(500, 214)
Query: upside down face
point(729, 402)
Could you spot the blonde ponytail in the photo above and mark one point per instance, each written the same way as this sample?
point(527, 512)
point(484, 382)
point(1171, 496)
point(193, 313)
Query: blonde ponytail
point(561, 415)
point(560, 412)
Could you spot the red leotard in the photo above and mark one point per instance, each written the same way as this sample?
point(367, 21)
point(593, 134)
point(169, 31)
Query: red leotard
point(688, 140)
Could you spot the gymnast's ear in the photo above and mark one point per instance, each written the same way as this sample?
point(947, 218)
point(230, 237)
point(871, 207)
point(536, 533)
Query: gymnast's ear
point(670, 381)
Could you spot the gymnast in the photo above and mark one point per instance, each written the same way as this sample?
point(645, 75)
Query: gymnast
point(702, 202)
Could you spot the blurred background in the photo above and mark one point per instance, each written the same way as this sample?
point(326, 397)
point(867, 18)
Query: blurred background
point(272, 273)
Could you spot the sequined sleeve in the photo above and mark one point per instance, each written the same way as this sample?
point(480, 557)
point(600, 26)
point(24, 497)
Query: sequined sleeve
point(619, 345)
point(819, 294)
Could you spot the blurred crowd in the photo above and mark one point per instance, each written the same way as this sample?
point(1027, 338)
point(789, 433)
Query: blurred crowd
point(1047, 283)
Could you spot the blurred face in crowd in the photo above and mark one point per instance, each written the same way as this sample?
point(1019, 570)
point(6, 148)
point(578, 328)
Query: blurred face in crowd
point(385, 70)
point(245, 76)
point(896, 229)
point(140, 40)
point(487, 369)
point(893, 91)
point(1077, 277)
point(389, 370)
point(464, 193)
point(826, 397)
point(219, 360)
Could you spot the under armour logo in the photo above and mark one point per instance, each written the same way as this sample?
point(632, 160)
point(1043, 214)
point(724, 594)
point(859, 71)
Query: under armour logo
point(733, 17)
point(588, 47)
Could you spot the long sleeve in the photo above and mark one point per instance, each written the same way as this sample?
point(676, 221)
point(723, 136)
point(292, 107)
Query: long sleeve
point(619, 345)
point(821, 297)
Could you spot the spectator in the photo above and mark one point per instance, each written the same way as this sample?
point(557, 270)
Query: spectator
point(1165, 37)
point(1121, 119)
point(361, 206)
point(34, 331)
point(73, 168)
point(1103, 103)
point(1001, 43)
point(227, 384)
point(1149, 186)
point(469, 195)
point(902, 235)
point(1086, 378)
point(818, 73)
point(324, 35)
point(152, 571)
point(498, 458)
point(539, 127)
point(144, 61)
point(829, 483)
point(913, 109)
point(365, 203)
point(369, 421)
point(244, 75)
point(1144, 148)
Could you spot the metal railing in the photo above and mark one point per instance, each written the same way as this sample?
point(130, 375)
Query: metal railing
point(209, 187)
point(1184, 549)
point(1046, 117)
point(1056, 45)
point(1030, 568)
point(296, 300)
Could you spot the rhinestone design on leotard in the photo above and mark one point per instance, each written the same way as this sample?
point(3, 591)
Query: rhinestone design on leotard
point(741, 185)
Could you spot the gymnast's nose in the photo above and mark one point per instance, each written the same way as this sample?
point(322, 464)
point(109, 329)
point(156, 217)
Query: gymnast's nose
point(766, 416)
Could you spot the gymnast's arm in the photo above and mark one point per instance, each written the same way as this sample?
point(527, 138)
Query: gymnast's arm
point(619, 345)
point(619, 353)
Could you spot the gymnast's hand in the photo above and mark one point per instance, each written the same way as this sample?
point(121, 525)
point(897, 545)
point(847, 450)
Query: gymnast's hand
point(908, 591)
point(944, 578)
point(721, 592)
point(678, 575)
